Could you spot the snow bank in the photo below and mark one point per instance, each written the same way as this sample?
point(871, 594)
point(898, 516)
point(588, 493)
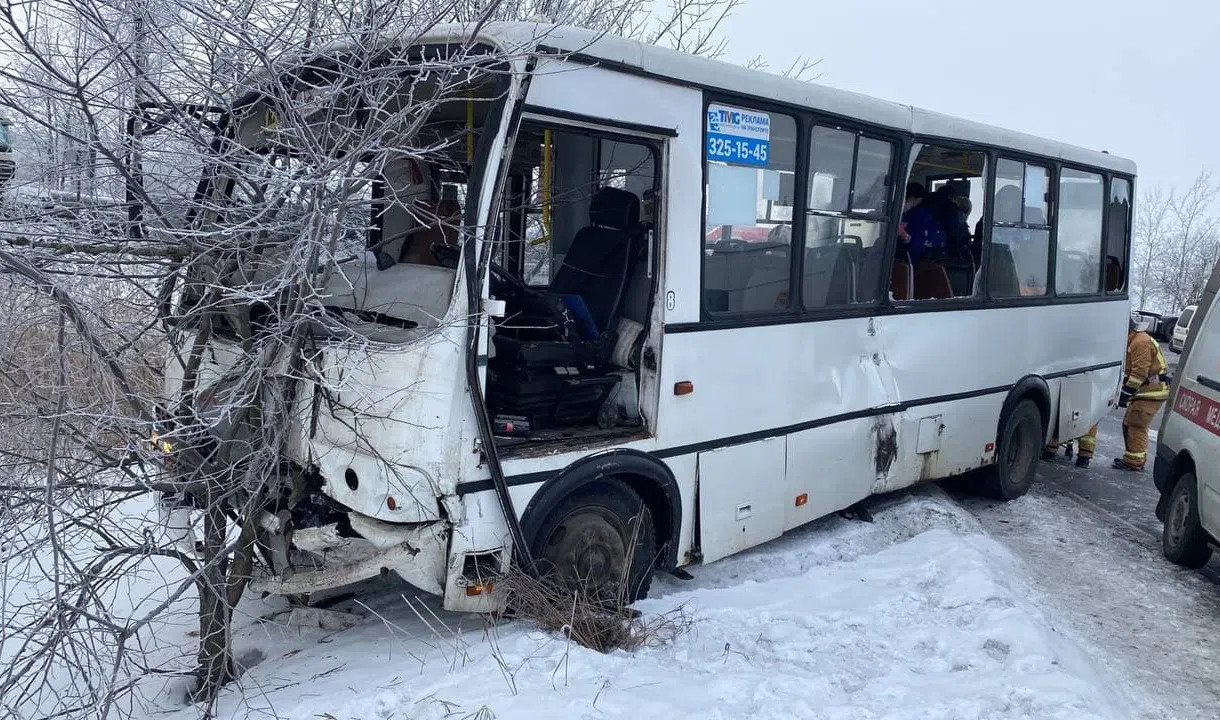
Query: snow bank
point(917, 615)
point(81, 666)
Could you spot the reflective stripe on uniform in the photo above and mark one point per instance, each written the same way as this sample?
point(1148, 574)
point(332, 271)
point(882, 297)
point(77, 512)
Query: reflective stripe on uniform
point(1164, 366)
point(1161, 393)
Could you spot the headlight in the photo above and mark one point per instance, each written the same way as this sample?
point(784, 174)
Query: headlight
point(159, 443)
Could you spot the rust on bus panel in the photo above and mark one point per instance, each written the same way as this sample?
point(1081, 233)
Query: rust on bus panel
point(885, 444)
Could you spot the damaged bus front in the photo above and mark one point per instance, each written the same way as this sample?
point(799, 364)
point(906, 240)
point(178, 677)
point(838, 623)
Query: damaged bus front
point(368, 185)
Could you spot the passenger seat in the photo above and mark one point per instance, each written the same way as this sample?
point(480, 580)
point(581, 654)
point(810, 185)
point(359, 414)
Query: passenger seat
point(829, 276)
point(767, 286)
point(1002, 277)
point(902, 277)
point(961, 275)
point(932, 282)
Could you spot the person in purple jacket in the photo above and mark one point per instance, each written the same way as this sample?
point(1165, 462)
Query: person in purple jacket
point(920, 232)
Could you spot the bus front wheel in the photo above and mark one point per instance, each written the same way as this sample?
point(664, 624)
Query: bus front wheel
point(600, 542)
point(1017, 451)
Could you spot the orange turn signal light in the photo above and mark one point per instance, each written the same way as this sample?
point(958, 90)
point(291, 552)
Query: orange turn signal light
point(391, 503)
point(802, 499)
point(685, 387)
point(479, 589)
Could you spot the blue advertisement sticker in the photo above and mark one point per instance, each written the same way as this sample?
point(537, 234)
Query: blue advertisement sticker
point(737, 136)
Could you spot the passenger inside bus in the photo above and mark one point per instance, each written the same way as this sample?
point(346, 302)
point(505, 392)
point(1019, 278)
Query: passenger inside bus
point(921, 232)
point(420, 214)
point(397, 257)
point(945, 192)
point(437, 229)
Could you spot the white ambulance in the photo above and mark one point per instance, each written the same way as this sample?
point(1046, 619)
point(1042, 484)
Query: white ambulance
point(1187, 466)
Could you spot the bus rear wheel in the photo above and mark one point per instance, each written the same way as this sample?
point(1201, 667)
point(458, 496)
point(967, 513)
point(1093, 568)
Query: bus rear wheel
point(1017, 451)
point(601, 542)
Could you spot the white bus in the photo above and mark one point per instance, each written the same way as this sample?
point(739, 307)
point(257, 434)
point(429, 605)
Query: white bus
point(693, 310)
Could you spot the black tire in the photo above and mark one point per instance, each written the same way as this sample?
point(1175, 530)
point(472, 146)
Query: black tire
point(1018, 448)
point(1183, 540)
point(586, 540)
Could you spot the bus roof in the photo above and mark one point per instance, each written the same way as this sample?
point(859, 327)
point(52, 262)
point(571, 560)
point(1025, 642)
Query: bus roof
point(687, 69)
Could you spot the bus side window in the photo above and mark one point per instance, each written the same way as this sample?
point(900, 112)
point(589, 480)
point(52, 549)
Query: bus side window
point(1118, 234)
point(1079, 218)
point(750, 163)
point(940, 244)
point(1020, 236)
point(850, 189)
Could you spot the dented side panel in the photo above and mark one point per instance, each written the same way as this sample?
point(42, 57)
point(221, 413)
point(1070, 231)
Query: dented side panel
point(833, 467)
point(943, 355)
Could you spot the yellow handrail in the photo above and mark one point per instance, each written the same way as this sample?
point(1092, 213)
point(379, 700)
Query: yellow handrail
point(545, 188)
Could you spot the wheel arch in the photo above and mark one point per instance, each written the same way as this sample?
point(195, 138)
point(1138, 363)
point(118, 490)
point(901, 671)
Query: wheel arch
point(650, 478)
point(1183, 462)
point(1030, 387)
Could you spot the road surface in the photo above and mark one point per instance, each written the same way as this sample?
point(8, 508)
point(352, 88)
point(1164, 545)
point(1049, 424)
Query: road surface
point(1092, 543)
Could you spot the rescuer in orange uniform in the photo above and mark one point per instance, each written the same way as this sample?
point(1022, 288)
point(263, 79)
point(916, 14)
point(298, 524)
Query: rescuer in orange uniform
point(1144, 391)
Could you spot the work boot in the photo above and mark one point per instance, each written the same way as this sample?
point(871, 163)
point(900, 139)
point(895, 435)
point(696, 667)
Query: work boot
point(1120, 464)
point(1048, 455)
point(1082, 462)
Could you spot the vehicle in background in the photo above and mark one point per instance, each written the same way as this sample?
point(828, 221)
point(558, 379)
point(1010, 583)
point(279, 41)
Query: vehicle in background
point(1165, 326)
point(1147, 319)
point(1187, 466)
point(8, 166)
point(1182, 328)
point(1157, 325)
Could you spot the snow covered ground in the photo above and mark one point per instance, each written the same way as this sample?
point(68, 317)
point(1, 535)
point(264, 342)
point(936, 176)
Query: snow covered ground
point(919, 614)
point(1091, 545)
point(1143, 620)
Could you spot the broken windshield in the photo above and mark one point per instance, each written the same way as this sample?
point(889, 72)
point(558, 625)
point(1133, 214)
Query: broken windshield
point(360, 183)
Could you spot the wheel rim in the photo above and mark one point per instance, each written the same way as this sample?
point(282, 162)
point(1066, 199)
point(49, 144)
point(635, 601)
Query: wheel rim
point(587, 549)
point(1179, 510)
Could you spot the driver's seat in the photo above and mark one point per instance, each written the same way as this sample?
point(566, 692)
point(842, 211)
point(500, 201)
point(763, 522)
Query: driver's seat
point(551, 366)
point(596, 265)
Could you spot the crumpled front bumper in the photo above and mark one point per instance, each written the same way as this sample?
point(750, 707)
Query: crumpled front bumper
point(415, 552)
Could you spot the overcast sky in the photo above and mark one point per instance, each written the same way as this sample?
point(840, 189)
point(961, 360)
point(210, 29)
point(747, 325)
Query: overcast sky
point(1140, 79)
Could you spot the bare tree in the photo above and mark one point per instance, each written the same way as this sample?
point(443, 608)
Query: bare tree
point(1176, 243)
point(1148, 240)
point(230, 181)
point(1193, 243)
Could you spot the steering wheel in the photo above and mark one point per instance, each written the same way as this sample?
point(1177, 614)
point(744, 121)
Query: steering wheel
point(509, 284)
